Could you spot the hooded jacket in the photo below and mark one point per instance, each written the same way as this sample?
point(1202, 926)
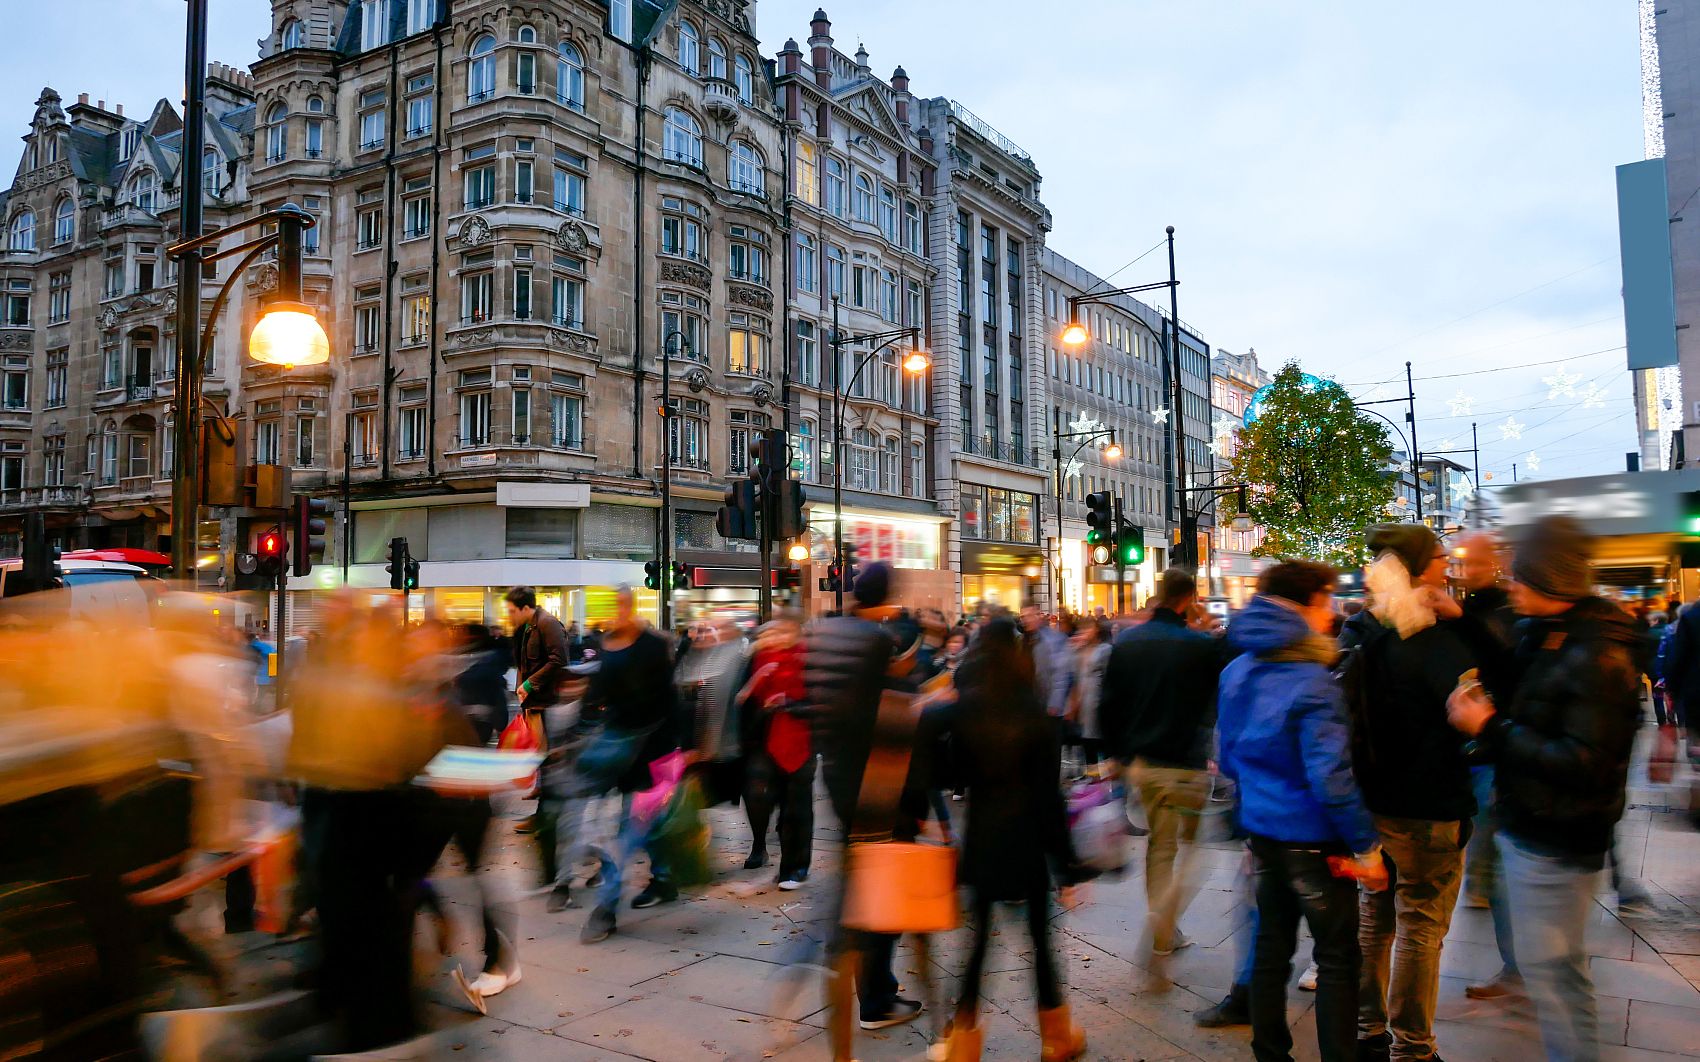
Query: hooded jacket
point(1561, 750)
point(1284, 736)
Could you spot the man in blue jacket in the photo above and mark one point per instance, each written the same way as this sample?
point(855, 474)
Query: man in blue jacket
point(1285, 740)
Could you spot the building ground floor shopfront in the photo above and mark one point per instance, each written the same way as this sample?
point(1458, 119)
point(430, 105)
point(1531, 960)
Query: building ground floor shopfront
point(1088, 588)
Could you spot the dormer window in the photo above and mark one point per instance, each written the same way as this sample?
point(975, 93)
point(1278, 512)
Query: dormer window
point(293, 35)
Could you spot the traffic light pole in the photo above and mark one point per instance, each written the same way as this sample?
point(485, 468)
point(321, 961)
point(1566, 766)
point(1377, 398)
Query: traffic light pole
point(280, 640)
point(1121, 561)
point(769, 515)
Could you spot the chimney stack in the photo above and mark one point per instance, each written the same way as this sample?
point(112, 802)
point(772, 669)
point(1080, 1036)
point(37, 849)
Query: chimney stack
point(900, 85)
point(120, 110)
point(82, 99)
point(820, 48)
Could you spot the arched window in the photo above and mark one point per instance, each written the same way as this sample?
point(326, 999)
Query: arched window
point(888, 212)
point(862, 203)
point(569, 76)
point(525, 64)
point(888, 466)
point(836, 191)
point(64, 221)
point(681, 138)
point(277, 132)
point(690, 50)
point(315, 105)
point(527, 35)
point(315, 131)
point(293, 35)
point(716, 58)
point(861, 459)
point(744, 172)
point(142, 189)
point(109, 452)
point(481, 72)
point(22, 231)
point(744, 76)
point(210, 171)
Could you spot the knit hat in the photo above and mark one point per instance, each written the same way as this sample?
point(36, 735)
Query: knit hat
point(1414, 544)
point(1553, 558)
point(873, 585)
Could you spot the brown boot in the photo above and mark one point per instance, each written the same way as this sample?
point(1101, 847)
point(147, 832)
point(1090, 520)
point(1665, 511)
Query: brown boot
point(1060, 1039)
point(963, 1041)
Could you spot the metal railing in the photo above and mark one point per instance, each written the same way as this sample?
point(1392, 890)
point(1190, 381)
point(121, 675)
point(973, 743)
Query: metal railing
point(997, 449)
point(984, 128)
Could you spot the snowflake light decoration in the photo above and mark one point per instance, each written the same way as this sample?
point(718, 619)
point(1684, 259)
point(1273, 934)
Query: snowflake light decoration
point(1533, 461)
point(1461, 404)
point(1594, 397)
point(1460, 484)
point(1562, 384)
point(1160, 414)
point(1511, 429)
point(1443, 446)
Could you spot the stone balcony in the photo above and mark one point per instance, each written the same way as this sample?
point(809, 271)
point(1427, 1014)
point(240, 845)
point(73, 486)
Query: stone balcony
point(44, 498)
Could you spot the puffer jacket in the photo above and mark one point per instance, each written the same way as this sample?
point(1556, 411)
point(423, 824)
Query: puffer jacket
point(844, 673)
point(1561, 751)
point(1284, 735)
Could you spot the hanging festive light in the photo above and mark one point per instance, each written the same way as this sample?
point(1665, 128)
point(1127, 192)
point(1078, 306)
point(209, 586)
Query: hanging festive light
point(1461, 404)
point(1533, 461)
point(1160, 414)
point(1511, 429)
point(1562, 384)
point(1594, 397)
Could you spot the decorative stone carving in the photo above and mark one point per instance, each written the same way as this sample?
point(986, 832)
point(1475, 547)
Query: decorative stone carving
point(573, 342)
point(697, 379)
point(58, 171)
point(756, 298)
point(762, 393)
point(15, 341)
point(171, 302)
point(109, 318)
point(482, 335)
point(474, 231)
point(266, 279)
point(571, 235)
point(686, 273)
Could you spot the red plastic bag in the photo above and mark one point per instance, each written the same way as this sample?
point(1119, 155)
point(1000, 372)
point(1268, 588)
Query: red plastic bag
point(1662, 763)
point(519, 736)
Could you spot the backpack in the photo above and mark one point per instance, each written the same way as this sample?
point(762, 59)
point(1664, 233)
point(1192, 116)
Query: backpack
point(1351, 672)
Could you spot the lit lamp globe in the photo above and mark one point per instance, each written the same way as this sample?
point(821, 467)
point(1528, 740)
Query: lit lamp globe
point(1074, 334)
point(916, 363)
point(287, 335)
point(798, 552)
point(1113, 452)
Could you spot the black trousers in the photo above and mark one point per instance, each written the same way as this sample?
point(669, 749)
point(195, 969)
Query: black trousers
point(768, 787)
point(469, 823)
point(1293, 882)
point(1044, 964)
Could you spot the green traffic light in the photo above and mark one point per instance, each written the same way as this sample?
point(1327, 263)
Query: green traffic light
point(1133, 553)
point(1094, 537)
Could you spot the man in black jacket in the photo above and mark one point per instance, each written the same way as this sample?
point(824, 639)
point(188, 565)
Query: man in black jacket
point(1157, 710)
point(540, 662)
point(1560, 750)
point(1415, 780)
point(844, 672)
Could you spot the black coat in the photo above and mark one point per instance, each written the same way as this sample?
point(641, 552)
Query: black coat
point(844, 673)
point(632, 690)
point(482, 690)
point(1006, 754)
point(1158, 698)
point(1489, 626)
point(1415, 767)
point(1561, 749)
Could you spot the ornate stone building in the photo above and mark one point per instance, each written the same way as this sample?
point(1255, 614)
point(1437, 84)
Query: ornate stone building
point(87, 341)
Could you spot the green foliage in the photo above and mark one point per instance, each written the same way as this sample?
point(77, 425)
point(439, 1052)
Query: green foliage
point(1318, 470)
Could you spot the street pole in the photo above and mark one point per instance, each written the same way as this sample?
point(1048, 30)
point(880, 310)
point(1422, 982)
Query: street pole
point(837, 456)
point(186, 399)
point(1476, 475)
point(1189, 545)
point(1057, 542)
point(347, 512)
point(1121, 561)
point(664, 607)
point(1411, 415)
point(281, 642)
point(769, 515)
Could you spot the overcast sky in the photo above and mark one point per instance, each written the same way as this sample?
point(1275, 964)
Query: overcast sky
point(1352, 185)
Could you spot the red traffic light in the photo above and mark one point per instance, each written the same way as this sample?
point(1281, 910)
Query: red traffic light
point(271, 544)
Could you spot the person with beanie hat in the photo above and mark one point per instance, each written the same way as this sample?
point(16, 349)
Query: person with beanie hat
point(1406, 652)
point(1560, 750)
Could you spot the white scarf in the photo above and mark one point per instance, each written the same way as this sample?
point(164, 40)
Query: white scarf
point(1399, 602)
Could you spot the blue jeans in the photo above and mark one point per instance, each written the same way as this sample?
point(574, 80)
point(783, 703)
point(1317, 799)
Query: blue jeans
point(633, 836)
point(1550, 899)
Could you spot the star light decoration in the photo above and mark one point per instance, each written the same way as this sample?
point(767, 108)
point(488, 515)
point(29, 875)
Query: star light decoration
point(1160, 414)
point(1562, 384)
point(1085, 424)
point(1461, 487)
point(1073, 468)
point(1224, 427)
point(1533, 461)
point(1511, 429)
point(1461, 404)
point(1594, 397)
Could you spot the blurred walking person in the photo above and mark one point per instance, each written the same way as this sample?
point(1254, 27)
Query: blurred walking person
point(1157, 710)
point(1560, 751)
point(1005, 751)
point(1285, 741)
point(1409, 653)
point(779, 753)
point(1092, 657)
point(540, 663)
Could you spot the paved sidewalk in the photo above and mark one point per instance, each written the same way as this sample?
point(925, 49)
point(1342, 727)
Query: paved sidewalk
point(700, 978)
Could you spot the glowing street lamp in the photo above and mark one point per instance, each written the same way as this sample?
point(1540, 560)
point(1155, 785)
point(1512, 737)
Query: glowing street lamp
point(1075, 334)
point(917, 363)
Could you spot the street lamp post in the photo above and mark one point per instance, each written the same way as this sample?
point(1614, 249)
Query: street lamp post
point(1075, 333)
point(287, 334)
point(1113, 452)
point(915, 363)
point(664, 607)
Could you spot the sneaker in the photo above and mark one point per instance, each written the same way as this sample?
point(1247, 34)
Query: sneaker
point(559, 900)
point(656, 893)
point(1181, 940)
point(1635, 903)
point(599, 926)
point(487, 984)
point(1235, 1009)
point(900, 1011)
point(793, 881)
point(757, 860)
point(1500, 985)
point(1307, 980)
